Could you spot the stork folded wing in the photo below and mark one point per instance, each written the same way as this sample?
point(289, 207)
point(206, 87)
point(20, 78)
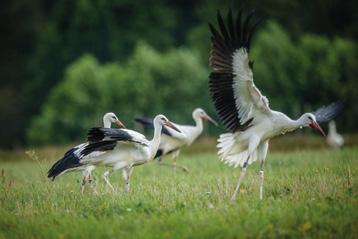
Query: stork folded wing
point(98, 134)
point(236, 98)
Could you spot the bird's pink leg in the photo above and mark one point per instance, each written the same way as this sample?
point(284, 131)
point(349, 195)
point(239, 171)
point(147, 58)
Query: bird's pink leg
point(241, 178)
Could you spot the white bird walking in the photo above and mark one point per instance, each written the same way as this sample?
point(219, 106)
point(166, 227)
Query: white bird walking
point(240, 105)
point(334, 139)
point(120, 148)
point(67, 160)
point(172, 142)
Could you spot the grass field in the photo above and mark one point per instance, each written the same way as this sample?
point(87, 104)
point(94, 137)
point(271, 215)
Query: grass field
point(308, 194)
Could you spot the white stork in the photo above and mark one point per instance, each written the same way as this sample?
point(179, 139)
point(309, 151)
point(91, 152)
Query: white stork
point(108, 119)
point(172, 142)
point(119, 149)
point(334, 139)
point(240, 105)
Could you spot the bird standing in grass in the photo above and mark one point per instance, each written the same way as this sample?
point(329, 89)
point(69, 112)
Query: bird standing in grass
point(121, 148)
point(241, 107)
point(172, 141)
point(334, 139)
point(69, 160)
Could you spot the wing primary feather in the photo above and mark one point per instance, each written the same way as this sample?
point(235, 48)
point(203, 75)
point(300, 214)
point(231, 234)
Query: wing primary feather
point(227, 81)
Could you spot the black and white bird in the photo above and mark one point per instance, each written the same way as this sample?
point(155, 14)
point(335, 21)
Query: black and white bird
point(172, 142)
point(241, 107)
point(120, 149)
point(334, 139)
point(68, 161)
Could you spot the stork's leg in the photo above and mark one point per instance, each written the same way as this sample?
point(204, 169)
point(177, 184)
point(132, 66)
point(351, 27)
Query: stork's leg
point(262, 152)
point(83, 183)
point(86, 175)
point(241, 178)
point(92, 183)
point(106, 178)
point(174, 158)
point(261, 178)
point(127, 172)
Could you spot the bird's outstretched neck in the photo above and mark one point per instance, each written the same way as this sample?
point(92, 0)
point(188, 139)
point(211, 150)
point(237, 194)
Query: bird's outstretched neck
point(288, 125)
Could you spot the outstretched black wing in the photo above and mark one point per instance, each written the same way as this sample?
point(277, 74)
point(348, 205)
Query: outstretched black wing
point(329, 112)
point(236, 98)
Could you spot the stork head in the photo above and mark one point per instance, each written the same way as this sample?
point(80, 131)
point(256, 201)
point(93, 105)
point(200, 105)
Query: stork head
point(161, 120)
point(199, 113)
point(309, 120)
point(111, 118)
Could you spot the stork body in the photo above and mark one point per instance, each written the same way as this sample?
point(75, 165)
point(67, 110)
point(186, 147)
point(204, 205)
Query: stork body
point(122, 148)
point(172, 141)
point(69, 161)
point(241, 107)
point(334, 139)
point(108, 119)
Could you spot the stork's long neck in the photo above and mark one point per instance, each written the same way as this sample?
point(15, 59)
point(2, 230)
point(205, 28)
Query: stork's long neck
point(154, 143)
point(106, 123)
point(290, 125)
point(332, 128)
point(198, 125)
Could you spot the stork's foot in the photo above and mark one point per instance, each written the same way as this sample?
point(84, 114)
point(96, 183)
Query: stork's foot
point(185, 169)
point(127, 188)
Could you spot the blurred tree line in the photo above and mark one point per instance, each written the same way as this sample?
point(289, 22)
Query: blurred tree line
point(65, 63)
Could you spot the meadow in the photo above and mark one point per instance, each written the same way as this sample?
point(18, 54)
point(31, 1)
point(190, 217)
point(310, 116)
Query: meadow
point(308, 193)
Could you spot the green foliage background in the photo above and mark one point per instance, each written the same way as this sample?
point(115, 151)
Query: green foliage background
point(65, 63)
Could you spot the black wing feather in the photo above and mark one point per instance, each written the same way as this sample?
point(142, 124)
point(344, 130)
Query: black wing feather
point(98, 134)
point(148, 123)
point(68, 161)
point(100, 146)
point(225, 41)
point(329, 112)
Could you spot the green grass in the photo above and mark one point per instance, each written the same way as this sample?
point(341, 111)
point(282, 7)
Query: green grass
point(307, 194)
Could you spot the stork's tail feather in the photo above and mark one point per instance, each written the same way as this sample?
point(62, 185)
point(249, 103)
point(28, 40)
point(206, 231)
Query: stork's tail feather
point(231, 153)
point(69, 161)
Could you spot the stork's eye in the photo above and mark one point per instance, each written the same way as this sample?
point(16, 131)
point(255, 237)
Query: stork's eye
point(310, 118)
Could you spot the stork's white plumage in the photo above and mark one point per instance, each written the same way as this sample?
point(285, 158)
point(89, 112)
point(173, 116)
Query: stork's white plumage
point(122, 148)
point(172, 141)
point(66, 164)
point(334, 139)
point(240, 105)
point(108, 119)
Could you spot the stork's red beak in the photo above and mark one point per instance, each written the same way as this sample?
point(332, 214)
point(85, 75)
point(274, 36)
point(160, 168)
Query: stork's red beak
point(207, 117)
point(119, 124)
point(171, 125)
point(315, 125)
